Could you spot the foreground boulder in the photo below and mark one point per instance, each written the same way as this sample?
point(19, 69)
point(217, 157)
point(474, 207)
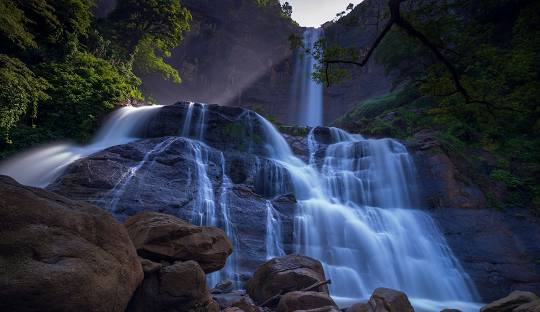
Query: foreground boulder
point(384, 300)
point(510, 302)
point(178, 287)
point(306, 300)
point(61, 255)
point(158, 237)
point(285, 274)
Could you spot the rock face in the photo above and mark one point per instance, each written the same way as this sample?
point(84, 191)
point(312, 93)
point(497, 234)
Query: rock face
point(509, 303)
point(305, 300)
point(178, 287)
point(497, 248)
point(237, 53)
point(445, 184)
point(163, 174)
point(358, 29)
point(285, 274)
point(60, 255)
point(159, 237)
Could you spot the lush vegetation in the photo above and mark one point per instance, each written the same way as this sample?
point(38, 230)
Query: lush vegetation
point(62, 69)
point(494, 48)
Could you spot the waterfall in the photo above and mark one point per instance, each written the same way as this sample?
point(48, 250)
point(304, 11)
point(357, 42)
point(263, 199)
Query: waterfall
point(357, 216)
point(357, 209)
point(274, 238)
point(231, 267)
point(40, 167)
point(307, 94)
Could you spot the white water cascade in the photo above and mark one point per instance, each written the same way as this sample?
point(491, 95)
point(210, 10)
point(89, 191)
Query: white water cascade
point(39, 167)
point(307, 94)
point(357, 216)
point(357, 209)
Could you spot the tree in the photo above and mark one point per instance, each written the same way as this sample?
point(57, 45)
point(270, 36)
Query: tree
point(146, 31)
point(20, 92)
point(286, 9)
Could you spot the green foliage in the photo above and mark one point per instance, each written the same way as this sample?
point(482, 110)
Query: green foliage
point(62, 70)
point(83, 89)
point(286, 9)
point(20, 92)
point(266, 3)
point(493, 46)
point(147, 61)
point(14, 25)
point(506, 177)
point(148, 30)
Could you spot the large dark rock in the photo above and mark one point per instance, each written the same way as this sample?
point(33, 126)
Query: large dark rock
point(285, 274)
point(60, 255)
point(164, 237)
point(180, 287)
point(384, 300)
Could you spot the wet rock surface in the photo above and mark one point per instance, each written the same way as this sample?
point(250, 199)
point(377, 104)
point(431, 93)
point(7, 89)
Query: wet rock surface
point(60, 255)
point(497, 248)
point(162, 175)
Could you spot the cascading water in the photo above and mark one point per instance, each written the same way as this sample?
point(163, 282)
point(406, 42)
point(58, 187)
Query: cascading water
point(307, 94)
point(39, 167)
point(274, 246)
point(356, 215)
point(356, 209)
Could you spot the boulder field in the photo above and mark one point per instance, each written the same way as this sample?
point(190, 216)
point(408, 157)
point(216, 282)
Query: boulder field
point(57, 254)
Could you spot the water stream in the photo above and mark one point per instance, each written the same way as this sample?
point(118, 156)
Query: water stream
point(307, 94)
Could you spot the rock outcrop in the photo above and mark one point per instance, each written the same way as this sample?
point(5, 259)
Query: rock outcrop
point(158, 237)
point(163, 174)
point(60, 255)
point(237, 53)
point(358, 29)
point(285, 274)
